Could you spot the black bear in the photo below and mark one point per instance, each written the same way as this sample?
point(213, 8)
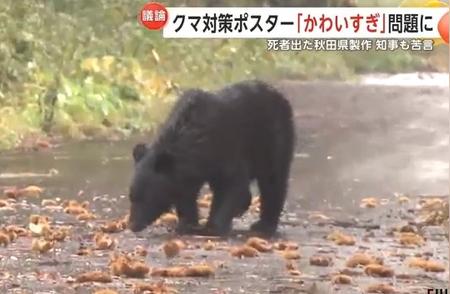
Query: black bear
point(241, 133)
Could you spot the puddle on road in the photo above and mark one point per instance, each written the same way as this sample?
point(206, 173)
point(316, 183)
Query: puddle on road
point(408, 79)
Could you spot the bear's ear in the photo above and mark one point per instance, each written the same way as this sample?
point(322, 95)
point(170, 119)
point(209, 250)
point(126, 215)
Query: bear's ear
point(164, 163)
point(139, 151)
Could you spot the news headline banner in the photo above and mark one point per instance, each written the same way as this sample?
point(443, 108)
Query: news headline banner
point(272, 23)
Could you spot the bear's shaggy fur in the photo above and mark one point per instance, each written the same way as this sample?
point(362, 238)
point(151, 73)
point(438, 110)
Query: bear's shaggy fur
point(241, 133)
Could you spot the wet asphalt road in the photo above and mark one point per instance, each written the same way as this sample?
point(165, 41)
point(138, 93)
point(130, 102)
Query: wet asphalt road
point(354, 141)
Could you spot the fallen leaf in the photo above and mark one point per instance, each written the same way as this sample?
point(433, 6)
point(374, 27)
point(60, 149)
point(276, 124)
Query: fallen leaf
point(103, 241)
point(95, 276)
point(411, 239)
point(122, 265)
point(172, 248)
point(290, 254)
point(341, 279)
point(11, 235)
point(320, 260)
point(30, 191)
point(58, 234)
point(41, 245)
point(286, 245)
point(76, 208)
point(114, 226)
point(340, 238)
point(381, 288)
point(244, 251)
point(136, 269)
point(167, 219)
point(378, 270)
point(362, 259)
point(201, 270)
point(39, 225)
point(370, 202)
point(427, 265)
point(4, 239)
point(117, 263)
point(259, 244)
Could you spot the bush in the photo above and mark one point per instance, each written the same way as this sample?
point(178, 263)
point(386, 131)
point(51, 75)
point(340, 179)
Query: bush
point(87, 68)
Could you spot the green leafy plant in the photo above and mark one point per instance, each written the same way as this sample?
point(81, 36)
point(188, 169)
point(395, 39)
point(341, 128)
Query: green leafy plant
point(87, 68)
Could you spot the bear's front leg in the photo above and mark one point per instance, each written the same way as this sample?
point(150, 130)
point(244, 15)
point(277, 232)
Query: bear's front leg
point(187, 212)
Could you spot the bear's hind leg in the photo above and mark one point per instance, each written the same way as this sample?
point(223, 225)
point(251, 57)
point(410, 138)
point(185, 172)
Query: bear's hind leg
point(273, 195)
point(245, 201)
point(272, 168)
point(231, 198)
point(242, 205)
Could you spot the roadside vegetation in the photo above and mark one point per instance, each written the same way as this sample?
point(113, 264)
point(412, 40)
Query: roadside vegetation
point(87, 69)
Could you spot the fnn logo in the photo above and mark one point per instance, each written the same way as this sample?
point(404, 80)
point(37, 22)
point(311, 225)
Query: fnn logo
point(437, 291)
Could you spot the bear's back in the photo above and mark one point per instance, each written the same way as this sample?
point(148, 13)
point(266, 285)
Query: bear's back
point(238, 121)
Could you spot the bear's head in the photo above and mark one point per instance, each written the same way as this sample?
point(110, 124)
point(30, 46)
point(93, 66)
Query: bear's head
point(152, 190)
